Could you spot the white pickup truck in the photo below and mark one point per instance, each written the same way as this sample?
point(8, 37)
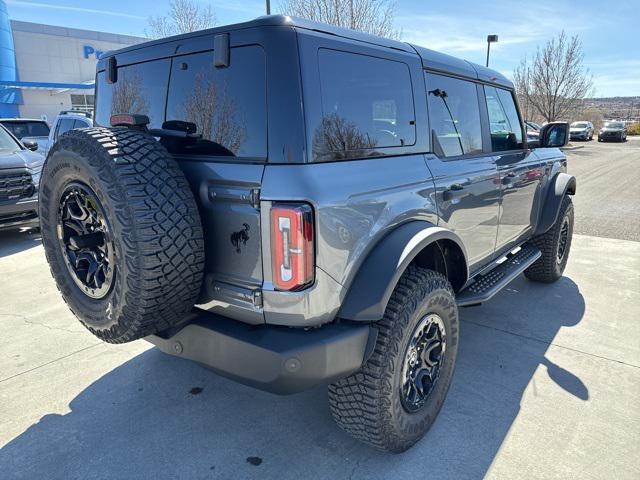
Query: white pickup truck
point(36, 134)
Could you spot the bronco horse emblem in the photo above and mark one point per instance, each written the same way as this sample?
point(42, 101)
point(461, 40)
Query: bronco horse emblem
point(240, 237)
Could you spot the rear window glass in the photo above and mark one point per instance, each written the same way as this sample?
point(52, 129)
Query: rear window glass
point(27, 129)
point(454, 115)
point(226, 107)
point(367, 104)
point(140, 89)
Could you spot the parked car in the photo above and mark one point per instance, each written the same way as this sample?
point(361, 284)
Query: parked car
point(613, 130)
point(65, 121)
point(327, 214)
point(34, 134)
point(581, 131)
point(533, 130)
point(20, 171)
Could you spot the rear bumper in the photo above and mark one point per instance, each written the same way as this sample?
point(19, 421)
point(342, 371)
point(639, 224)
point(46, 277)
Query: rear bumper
point(18, 214)
point(275, 359)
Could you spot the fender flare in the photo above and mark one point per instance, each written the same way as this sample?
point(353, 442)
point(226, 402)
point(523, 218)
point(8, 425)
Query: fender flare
point(562, 184)
point(370, 290)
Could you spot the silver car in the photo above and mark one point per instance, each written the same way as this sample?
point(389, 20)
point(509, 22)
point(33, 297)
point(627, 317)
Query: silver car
point(581, 130)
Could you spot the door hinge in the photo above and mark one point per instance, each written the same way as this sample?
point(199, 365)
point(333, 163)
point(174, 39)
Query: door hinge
point(257, 298)
point(254, 198)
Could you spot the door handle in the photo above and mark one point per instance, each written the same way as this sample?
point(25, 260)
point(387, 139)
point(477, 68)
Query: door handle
point(454, 192)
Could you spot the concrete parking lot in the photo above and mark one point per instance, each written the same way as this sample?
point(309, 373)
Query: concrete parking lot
point(547, 383)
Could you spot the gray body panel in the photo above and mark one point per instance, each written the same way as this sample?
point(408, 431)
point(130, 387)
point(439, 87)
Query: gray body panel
point(474, 216)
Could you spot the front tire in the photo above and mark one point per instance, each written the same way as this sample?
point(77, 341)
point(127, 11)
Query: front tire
point(395, 398)
point(555, 245)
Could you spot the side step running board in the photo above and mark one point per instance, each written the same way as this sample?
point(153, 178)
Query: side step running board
point(486, 285)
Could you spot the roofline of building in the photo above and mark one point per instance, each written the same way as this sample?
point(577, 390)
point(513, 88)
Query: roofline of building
point(46, 85)
point(20, 26)
point(20, 119)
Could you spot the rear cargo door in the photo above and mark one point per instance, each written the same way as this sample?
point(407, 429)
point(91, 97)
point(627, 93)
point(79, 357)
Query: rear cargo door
point(224, 163)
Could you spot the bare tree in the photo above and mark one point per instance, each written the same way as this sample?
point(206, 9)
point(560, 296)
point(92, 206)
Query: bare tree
point(214, 113)
point(556, 82)
point(339, 138)
point(522, 82)
point(184, 16)
point(128, 96)
point(370, 16)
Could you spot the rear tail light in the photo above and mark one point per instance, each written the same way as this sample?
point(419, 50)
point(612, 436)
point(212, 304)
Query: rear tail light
point(292, 246)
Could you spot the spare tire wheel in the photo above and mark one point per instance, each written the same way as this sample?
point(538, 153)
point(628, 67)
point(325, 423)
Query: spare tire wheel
point(121, 232)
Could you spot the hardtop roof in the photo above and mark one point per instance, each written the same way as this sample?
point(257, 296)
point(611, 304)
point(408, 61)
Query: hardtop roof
point(430, 58)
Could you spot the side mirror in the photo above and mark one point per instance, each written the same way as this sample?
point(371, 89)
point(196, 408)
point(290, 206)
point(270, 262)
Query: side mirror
point(554, 134)
point(30, 145)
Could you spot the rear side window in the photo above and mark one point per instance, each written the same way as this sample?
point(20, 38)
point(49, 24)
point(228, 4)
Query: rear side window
point(506, 131)
point(367, 104)
point(64, 125)
point(140, 89)
point(454, 115)
point(226, 106)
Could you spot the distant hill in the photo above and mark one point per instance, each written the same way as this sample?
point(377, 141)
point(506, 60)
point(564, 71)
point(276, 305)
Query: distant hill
point(618, 108)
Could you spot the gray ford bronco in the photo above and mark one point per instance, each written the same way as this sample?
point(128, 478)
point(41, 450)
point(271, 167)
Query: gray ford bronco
point(292, 204)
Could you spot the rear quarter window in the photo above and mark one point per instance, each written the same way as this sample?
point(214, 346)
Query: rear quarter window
point(140, 89)
point(367, 106)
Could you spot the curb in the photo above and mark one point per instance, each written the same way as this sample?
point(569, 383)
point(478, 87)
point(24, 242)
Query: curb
point(573, 147)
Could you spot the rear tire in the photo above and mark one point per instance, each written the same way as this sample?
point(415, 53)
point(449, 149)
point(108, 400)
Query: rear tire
point(122, 192)
point(371, 404)
point(555, 245)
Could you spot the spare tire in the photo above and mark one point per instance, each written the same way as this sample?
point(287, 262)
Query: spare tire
point(121, 232)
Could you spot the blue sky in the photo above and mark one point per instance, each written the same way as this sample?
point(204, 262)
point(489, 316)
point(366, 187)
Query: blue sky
point(608, 29)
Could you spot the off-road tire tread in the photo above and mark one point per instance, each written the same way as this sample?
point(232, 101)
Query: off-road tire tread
point(361, 403)
point(545, 269)
point(162, 235)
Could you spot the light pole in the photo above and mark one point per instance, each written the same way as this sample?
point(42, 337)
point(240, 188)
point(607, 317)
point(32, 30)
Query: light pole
point(490, 39)
point(268, 7)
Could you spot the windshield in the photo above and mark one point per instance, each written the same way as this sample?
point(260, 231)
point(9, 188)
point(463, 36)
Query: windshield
point(533, 125)
point(613, 124)
point(579, 125)
point(7, 143)
point(27, 129)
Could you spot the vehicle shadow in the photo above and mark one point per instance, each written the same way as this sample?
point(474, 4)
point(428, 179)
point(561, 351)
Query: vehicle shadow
point(157, 416)
point(14, 241)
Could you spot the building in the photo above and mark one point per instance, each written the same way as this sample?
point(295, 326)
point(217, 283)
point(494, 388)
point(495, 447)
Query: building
point(45, 69)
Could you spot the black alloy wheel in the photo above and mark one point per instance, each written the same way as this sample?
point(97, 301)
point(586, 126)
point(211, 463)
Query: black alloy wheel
point(422, 361)
point(563, 240)
point(85, 239)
